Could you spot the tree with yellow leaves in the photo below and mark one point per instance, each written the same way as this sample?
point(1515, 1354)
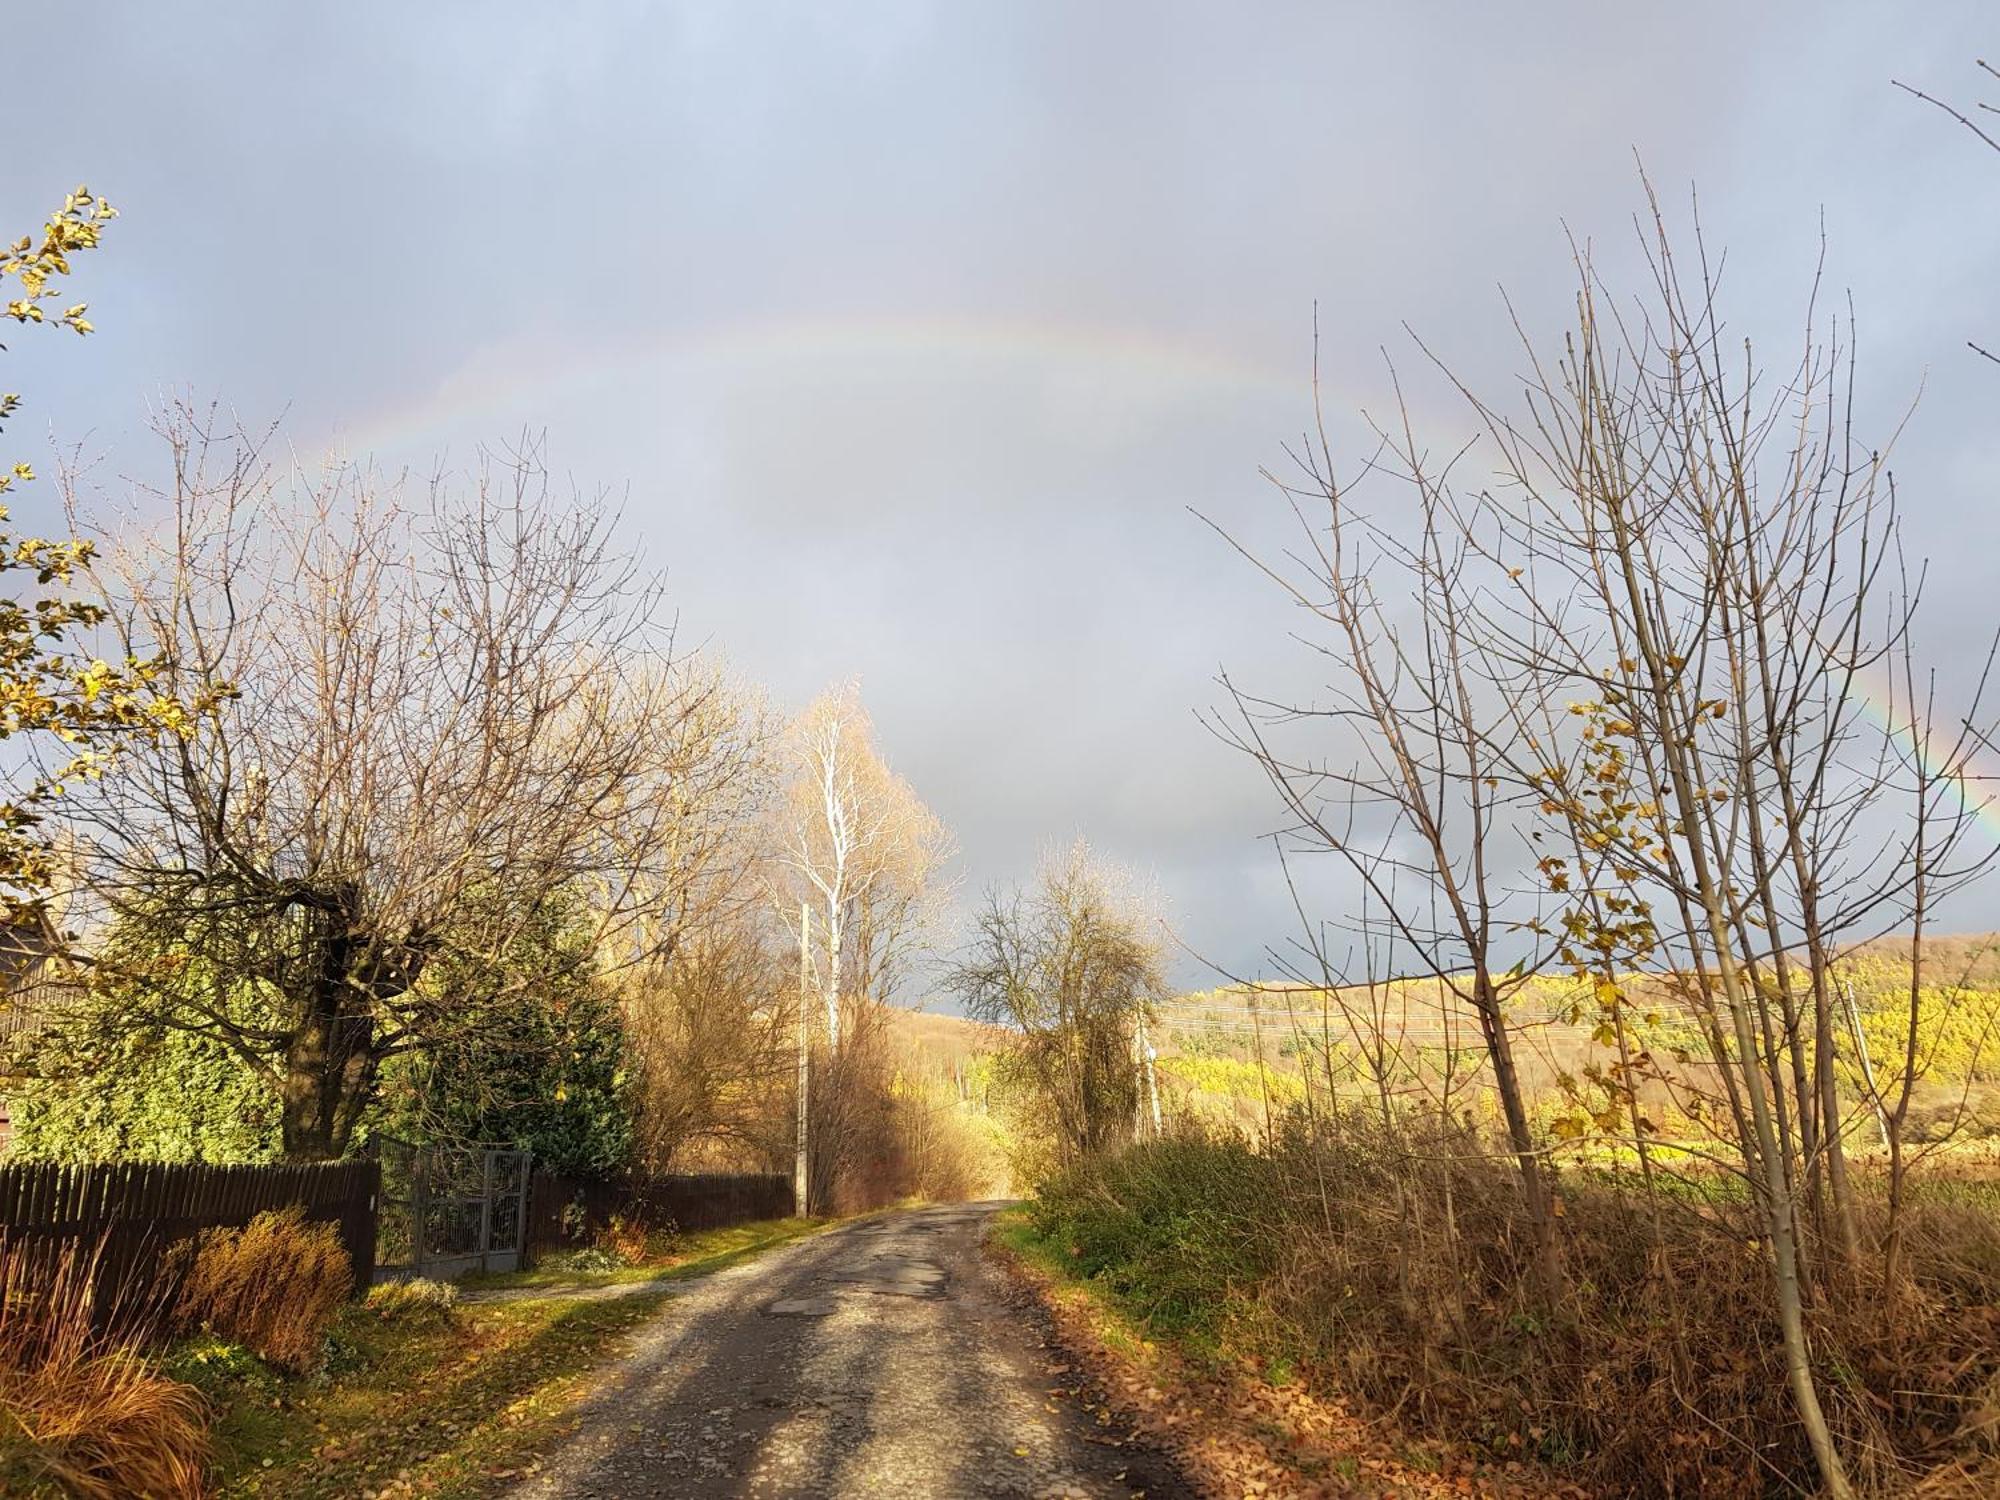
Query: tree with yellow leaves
point(48, 687)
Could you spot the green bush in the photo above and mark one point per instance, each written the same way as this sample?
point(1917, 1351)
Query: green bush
point(1172, 1227)
point(106, 1091)
point(588, 1261)
point(217, 1368)
point(541, 1068)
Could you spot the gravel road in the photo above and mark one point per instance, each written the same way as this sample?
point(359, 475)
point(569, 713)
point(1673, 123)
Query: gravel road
point(886, 1357)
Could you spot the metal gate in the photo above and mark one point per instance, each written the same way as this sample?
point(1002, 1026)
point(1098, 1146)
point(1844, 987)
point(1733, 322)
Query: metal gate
point(448, 1210)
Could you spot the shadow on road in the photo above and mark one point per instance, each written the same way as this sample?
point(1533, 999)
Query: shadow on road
point(883, 1358)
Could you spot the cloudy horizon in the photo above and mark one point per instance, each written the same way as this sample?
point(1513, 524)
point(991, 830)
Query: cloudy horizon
point(915, 340)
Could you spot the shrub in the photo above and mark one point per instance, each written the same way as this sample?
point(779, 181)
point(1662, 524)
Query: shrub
point(274, 1285)
point(1176, 1230)
point(663, 1242)
point(82, 1413)
point(1394, 1262)
point(103, 1088)
point(414, 1301)
point(624, 1240)
point(218, 1368)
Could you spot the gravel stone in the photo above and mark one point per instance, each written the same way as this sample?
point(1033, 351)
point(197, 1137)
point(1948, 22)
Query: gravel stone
point(886, 1357)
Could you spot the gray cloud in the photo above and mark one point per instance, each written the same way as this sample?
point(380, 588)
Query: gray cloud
point(912, 332)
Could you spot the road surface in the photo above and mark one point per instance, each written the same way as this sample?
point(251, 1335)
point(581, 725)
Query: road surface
point(886, 1357)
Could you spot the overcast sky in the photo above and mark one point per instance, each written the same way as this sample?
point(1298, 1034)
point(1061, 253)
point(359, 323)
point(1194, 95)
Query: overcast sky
point(911, 333)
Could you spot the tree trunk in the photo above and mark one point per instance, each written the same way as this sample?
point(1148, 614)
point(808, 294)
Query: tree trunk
point(330, 1074)
point(1520, 1135)
point(331, 1062)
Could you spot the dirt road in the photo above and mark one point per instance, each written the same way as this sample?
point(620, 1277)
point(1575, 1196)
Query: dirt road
point(887, 1357)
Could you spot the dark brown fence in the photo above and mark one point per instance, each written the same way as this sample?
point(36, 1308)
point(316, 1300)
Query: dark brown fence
point(137, 1212)
point(571, 1211)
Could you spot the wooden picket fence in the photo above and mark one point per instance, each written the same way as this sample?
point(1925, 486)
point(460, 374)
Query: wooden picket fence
point(572, 1211)
point(133, 1214)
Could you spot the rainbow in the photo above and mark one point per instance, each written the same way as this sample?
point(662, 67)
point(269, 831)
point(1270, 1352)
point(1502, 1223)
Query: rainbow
point(507, 387)
point(504, 387)
point(1958, 766)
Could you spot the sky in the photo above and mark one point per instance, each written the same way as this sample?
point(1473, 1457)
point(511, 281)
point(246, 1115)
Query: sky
point(913, 338)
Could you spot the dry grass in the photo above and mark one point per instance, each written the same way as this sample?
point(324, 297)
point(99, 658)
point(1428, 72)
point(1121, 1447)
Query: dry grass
point(1394, 1266)
point(626, 1240)
point(83, 1414)
point(274, 1286)
point(417, 1300)
point(1242, 1427)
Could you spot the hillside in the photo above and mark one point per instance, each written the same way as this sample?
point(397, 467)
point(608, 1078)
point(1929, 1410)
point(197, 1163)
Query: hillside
point(1230, 1051)
point(938, 1037)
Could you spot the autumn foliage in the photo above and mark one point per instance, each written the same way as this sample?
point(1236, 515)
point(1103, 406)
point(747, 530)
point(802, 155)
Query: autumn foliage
point(84, 1413)
point(274, 1286)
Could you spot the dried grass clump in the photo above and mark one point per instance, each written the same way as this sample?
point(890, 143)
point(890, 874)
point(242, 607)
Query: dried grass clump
point(625, 1240)
point(1394, 1263)
point(83, 1413)
point(274, 1286)
point(417, 1300)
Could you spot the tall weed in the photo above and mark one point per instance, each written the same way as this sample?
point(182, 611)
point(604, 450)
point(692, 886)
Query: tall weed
point(1393, 1261)
point(274, 1286)
point(84, 1413)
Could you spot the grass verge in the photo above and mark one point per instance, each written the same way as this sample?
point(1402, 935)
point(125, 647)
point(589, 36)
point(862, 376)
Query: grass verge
point(449, 1404)
point(694, 1254)
point(1237, 1423)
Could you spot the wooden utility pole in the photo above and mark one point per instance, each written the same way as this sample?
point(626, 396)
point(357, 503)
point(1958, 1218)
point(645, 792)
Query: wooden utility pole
point(800, 1181)
point(1148, 1055)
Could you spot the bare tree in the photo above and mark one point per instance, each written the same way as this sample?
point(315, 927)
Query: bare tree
point(717, 770)
point(1417, 814)
point(1071, 968)
point(1640, 652)
point(706, 1000)
point(438, 716)
point(710, 1033)
point(1986, 134)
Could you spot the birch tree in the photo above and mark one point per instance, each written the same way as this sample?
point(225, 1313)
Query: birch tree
point(858, 882)
point(864, 852)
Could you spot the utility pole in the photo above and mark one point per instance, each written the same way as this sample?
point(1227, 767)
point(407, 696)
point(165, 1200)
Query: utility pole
point(800, 1181)
point(1147, 1053)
